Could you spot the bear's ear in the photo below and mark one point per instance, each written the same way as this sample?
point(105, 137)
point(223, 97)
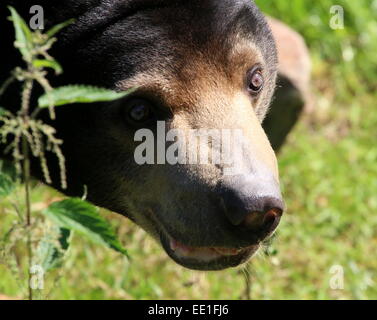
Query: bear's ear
point(292, 94)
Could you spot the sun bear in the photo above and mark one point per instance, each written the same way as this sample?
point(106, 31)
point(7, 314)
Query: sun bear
point(194, 65)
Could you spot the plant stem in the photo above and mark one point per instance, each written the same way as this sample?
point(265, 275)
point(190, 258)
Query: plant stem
point(24, 113)
point(247, 278)
point(25, 102)
point(6, 84)
point(26, 171)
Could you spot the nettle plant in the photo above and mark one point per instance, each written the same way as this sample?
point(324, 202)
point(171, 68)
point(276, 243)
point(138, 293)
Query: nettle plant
point(42, 236)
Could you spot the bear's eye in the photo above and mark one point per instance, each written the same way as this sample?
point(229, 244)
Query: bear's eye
point(255, 80)
point(139, 111)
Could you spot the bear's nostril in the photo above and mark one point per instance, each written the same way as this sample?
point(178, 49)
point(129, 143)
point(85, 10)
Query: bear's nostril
point(264, 222)
point(271, 219)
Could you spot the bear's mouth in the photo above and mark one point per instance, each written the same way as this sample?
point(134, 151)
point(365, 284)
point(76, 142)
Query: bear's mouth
point(196, 257)
point(206, 258)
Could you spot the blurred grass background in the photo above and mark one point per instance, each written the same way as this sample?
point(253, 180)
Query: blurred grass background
point(329, 178)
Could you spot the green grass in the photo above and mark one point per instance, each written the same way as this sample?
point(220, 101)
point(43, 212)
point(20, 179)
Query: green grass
point(329, 177)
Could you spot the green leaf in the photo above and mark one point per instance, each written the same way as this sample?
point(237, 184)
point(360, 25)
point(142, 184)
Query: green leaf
point(52, 248)
point(79, 94)
point(3, 111)
point(6, 185)
point(55, 29)
point(8, 168)
point(84, 218)
point(7, 178)
point(44, 63)
point(23, 34)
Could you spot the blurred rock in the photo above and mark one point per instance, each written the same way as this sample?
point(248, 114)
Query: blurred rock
point(292, 95)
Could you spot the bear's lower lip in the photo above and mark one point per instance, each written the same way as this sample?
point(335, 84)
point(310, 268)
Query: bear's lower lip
point(206, 258)
point(207, 253)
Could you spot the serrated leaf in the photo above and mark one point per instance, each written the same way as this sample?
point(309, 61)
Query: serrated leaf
point(22, 33)
point(52, 248)
point(78, 94)
point(84, 218)
point(55, 29)
point(44, 63)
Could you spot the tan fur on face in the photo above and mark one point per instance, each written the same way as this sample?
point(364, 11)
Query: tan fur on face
point(180, 82)
point(208, 91)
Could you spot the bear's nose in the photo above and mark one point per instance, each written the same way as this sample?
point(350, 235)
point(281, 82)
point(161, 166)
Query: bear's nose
point(252, 205)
